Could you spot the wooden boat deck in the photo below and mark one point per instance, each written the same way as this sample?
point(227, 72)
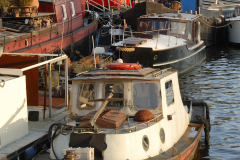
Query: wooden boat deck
point(36, 129)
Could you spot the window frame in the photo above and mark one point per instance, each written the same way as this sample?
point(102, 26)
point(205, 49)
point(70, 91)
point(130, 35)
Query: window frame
point(104, 91)
point(159, 106)
point(95, 94)
point(172, 92)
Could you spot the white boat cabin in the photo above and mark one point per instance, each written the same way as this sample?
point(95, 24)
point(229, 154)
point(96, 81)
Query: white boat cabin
point(148, 89)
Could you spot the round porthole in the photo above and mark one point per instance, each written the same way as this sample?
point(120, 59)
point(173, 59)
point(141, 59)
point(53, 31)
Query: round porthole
point(145, 143)
point(162, 135)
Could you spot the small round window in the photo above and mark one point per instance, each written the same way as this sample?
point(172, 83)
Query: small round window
point(145, 143)
point(162, 135)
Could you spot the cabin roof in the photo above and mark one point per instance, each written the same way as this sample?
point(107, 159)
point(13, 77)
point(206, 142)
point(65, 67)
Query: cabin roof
point(184, 16)
point(145, 73)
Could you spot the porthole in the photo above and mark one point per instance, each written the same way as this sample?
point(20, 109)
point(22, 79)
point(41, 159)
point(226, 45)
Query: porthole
point(145, 143)
point(171, 55)
point(162, 135)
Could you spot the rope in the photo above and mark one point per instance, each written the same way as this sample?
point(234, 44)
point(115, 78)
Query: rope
point(214, 26)
point(125, 49)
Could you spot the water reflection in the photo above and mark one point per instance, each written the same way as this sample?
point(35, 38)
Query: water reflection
point(217, 82)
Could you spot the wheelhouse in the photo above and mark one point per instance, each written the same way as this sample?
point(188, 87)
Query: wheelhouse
point(182, 25)
point(133, 90)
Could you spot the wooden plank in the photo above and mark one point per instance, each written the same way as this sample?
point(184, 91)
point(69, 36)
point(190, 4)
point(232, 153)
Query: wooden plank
point(10, 29)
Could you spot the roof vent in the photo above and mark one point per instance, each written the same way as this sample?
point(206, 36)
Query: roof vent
point(153, 14)
point(179, 15)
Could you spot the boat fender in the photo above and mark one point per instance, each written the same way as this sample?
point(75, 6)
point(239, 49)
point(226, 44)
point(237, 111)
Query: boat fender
point(29, 153)
point(206, 123)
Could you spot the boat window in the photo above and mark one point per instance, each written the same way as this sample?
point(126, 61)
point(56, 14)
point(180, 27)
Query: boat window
point(178, 28)
point(144, 25)
point(64, 12)
point(72, 8)
point(190, 31)
point(159, 25)
point(169, 92)
point(118, 89)
point(146, 95)
point(86, 92)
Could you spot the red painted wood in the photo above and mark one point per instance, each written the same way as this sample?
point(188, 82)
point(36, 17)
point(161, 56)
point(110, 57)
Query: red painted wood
point(43, 45)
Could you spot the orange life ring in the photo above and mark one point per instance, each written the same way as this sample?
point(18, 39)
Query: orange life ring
point(124, 66)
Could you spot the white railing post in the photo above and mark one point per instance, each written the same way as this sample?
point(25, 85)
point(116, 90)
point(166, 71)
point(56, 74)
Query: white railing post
point(66, 82)
point(50, 90)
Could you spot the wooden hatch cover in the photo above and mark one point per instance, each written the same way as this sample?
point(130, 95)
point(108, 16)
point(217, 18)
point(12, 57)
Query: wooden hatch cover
point(134, 42)
point(107, 119)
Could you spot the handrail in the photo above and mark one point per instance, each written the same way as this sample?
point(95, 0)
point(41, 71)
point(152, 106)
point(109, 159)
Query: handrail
point(156, 119)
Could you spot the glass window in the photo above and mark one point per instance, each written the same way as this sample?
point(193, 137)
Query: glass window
point(144, 25)
point(158, 25)
point(190, 31)
point(117, 93)
point(72, 8)
point(169, 92)
point(86, 92)
point(146, 95)
point(178, 28)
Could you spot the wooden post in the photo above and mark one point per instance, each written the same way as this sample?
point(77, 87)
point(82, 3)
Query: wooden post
point(50, 90)
point(109, 5)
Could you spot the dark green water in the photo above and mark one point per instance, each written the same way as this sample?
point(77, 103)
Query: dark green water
point(217, 82)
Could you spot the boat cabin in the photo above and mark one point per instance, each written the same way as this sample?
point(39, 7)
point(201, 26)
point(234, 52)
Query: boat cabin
point(140, 103)
point(180, 25)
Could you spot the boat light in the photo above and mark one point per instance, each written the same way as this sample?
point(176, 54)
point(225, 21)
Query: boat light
point(169, 117)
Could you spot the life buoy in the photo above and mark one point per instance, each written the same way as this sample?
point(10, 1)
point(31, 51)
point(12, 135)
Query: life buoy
point(124, 66)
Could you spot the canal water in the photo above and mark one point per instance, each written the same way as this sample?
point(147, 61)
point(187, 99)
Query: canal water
point(217, 82)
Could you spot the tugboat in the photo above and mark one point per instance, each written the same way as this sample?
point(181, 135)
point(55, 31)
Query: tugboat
point(163, 41)
point(127, 112)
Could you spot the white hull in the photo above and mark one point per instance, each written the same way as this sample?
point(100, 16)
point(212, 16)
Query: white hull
point(233, 30)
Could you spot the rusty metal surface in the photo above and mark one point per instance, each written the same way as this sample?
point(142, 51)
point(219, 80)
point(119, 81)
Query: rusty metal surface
point(143, 74)
point(140, 72)
point(143, 116)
